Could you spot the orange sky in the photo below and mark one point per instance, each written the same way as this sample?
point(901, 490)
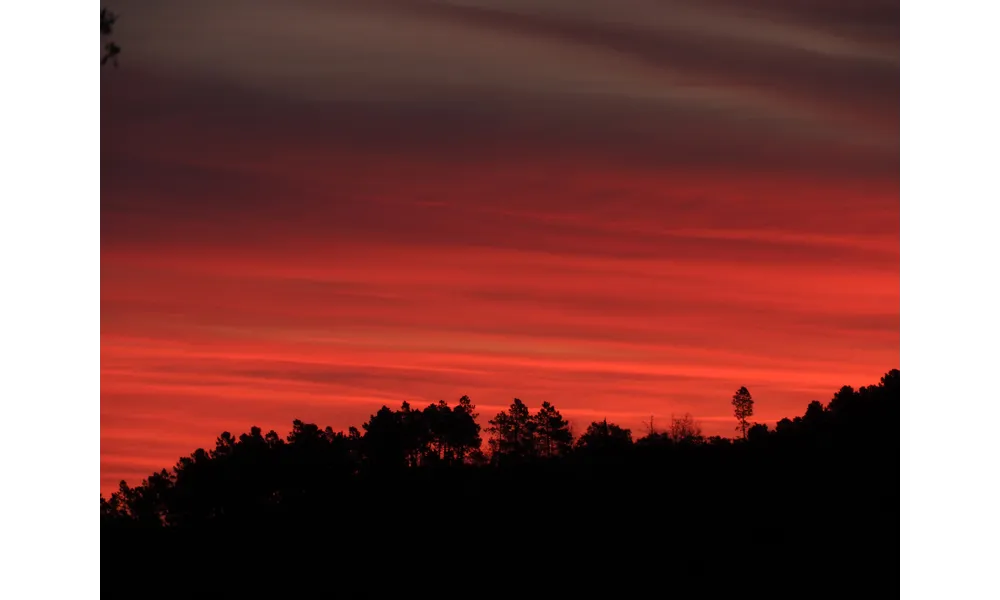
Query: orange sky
point(496, 200)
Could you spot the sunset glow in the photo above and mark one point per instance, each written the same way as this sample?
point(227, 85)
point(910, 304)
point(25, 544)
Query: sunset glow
point(312, 212)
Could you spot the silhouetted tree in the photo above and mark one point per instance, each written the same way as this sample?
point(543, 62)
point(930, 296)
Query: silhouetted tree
point(452, 434)
point(814, 415)
point(464, 430)
point(685, 429)
point(655, 440)
point(434, 431)
point(603, 438)
point(757, 433)
point(843, 401)
point(512, 433)
point(524, 428)
point(416, 436)
point(387, 447)
point(742, 409)
point(717, 441)
point(553, 435)
point(502, 439)
point(110, 50)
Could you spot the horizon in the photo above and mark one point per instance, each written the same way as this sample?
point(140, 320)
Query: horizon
point(624, 209)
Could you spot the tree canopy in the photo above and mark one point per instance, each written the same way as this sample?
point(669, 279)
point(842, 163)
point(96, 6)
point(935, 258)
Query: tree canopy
point(256, 469)
point(742, 409)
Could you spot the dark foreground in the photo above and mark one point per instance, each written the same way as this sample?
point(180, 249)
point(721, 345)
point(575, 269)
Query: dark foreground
point(807, 511)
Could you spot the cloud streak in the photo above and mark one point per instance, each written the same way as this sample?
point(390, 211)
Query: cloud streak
point(626, 208)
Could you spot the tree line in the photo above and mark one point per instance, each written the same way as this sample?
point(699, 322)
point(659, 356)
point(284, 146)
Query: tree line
point(257, 473)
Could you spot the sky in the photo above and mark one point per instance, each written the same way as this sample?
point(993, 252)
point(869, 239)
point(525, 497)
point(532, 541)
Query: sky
point(627, 208)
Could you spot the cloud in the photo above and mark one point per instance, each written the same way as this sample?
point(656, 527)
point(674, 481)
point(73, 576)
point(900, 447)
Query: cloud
point(625, 208)
point(517, 60)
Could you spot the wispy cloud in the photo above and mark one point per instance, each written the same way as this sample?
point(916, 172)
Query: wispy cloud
point(625, 207)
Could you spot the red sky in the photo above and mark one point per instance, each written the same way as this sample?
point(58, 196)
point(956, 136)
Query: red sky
point(625, 208)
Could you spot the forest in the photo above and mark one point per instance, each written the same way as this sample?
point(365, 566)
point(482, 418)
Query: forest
point(817, 490)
